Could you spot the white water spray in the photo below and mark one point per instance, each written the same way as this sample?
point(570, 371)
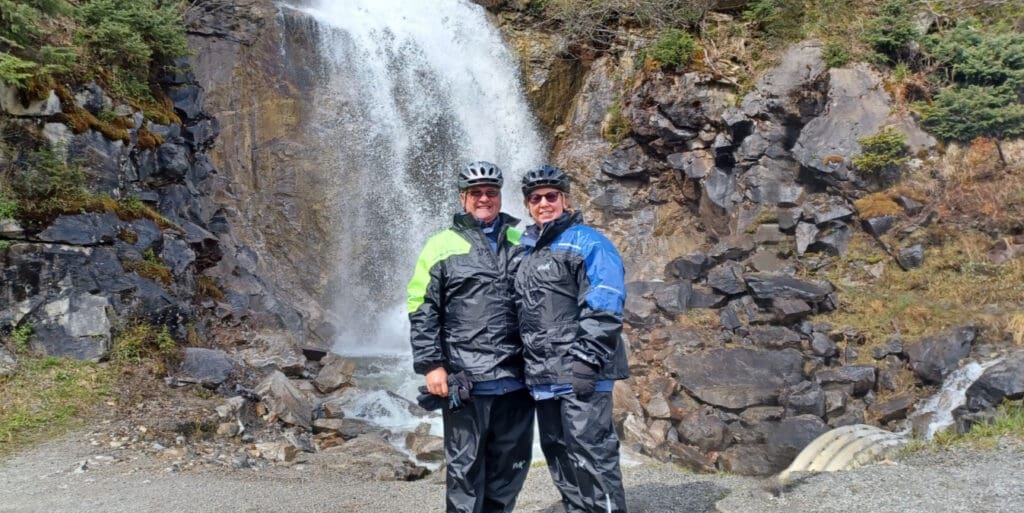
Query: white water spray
point(409, 91)
point(951, 396)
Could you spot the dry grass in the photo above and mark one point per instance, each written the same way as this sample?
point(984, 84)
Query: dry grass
point(957, 284)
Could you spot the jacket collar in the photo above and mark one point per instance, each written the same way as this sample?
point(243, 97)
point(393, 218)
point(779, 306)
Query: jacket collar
point(545, 233)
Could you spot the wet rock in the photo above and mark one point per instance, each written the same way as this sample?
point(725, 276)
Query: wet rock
point(1004, 380)
point(284, 401)
point(933, 358)
point(737, 378)
point(207, 367)
point(860, 377)
point(689, 267)
point(335, 373)
point(804, 398)
point(82, 229)
point(894, 408)
point(704, 429)
point(424, 446)
point(770, 286)
point(727, 278)
point(911, 258)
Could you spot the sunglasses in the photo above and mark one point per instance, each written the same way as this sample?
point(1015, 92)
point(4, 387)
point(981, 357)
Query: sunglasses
point(551, 197)
point(478, 193)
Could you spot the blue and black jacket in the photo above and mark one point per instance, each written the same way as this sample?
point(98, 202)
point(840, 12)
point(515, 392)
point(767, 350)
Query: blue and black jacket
point(570, 288)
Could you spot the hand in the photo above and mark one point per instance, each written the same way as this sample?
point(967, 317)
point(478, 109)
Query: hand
point(437, 382)
point(584, 377)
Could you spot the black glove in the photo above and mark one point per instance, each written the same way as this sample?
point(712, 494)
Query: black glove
point(459, 388)
point(429, 401)
point(584, 377)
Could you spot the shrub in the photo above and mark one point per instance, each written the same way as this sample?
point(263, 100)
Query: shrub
point(963, 113)
point(41, 176)
point(674, 48)
point(14, 70)
point(780, 19)
point(8, 207)
point(21, 336)
point(836, 55)
point(883, 153)
point(891, 32)
point(596, 23)
point(976, 57)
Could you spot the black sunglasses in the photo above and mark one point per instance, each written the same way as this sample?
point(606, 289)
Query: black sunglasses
point(490, 193)
point(551, 197)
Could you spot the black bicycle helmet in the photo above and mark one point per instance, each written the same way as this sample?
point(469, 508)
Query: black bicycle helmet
point(545, 176)
point(479, 173)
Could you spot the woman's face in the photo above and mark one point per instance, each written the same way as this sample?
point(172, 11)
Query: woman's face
point(545, 204)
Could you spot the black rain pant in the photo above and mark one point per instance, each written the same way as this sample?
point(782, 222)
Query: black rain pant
point(488, 445)
point(582, 451)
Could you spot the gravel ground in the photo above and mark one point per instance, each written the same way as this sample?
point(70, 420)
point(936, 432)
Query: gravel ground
point(50, 478)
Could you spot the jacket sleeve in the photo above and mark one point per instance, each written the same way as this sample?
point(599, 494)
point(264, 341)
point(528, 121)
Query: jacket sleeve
point(602, 292)
point(425, 305)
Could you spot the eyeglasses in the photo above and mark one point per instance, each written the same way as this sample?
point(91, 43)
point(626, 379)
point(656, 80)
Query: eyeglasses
point(478, 193)
point(551, 197)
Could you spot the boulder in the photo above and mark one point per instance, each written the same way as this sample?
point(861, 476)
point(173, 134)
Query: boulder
point(704, 429)
point(910, 257)
point(777, 90)
point(774, 337)
point(375, 457)
point(752, 460)
point(804, 398)
point(686, 456)
point(727, 278)
point(82, 229)
point(285, 401)
point(1004, 380)
point(336, 372)
point(893, 408)
point(933, 358)
point(207, 367)
point(791, 435)
point(76, 326)
point(423, 445)
point(770, 286)
point(737, 378)
point(860, 377)
point(690, 267)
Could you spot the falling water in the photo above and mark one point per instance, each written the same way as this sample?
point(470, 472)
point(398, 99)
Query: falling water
point(410, 90)
point(938, 409)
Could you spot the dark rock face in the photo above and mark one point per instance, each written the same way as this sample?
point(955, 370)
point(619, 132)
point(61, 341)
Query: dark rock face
point(933, 358)
point(207, 367)
point(770, 286)
point(1004, 380)
point(738, 378)
point(82, 229)
point(861, 378)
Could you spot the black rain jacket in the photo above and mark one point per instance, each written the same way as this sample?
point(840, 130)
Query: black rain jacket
point(461, 303)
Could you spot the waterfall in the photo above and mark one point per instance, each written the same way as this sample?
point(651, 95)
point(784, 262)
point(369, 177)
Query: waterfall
point(407, 90)
point(938, 409)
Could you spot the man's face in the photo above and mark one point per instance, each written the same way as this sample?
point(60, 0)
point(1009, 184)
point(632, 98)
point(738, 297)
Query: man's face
point(483, 202)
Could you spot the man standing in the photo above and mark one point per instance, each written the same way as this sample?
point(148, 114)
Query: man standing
point(463, 323)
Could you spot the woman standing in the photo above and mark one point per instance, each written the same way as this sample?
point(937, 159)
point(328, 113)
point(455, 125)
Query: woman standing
point(570, 290)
